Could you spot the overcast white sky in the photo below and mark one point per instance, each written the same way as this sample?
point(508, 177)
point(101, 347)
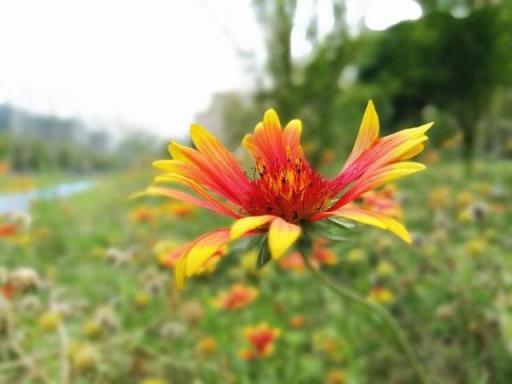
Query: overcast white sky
point(153, 63)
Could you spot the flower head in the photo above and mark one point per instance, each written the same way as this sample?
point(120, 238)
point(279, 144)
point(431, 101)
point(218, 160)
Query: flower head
point(207, 345)
point(381, 295)
point(321, 254)
point(180, 209)
point(285, 191)
point(8, 229)
point(293, 262)
point(143, 214)
point(237, 297)
point(261, 338)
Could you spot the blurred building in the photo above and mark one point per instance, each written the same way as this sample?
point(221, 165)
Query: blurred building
point(19, 122)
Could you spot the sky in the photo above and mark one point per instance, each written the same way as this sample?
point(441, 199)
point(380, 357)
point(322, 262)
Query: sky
point(153, 64)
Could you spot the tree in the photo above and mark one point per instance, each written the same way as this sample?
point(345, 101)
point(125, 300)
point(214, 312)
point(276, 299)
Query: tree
point(308, 87)
point(455, 64)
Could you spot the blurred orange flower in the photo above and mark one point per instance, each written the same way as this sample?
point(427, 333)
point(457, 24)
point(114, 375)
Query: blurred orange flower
point(321, 255)
point(292, 262)
point(261, 338)
point(7, 230)
point(4, 167)
point(179, 209)
point(237, 297)
point(143, 214)
point(8, 290)
point(297, 322)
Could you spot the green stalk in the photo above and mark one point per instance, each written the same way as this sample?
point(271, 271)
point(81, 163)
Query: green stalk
point(370, 306)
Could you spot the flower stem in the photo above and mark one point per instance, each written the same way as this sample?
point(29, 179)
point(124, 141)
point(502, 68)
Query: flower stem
point(373, 307)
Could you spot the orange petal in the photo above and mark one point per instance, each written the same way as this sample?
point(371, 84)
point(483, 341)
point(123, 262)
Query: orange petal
point(367, 135)
point(213, 149)
point(176, 178)
point(211, 165)
point(398, 146)
point(375, 178)
point(272, 146)
point(182, 196)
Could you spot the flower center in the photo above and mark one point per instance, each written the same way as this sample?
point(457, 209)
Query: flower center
point(293, 191)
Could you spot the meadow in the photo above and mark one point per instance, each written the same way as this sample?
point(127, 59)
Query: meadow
point(94, 302)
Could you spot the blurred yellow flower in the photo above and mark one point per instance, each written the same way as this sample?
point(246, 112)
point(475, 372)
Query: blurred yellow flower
point(336, 376)
point(141, 299)
point(356, 255)
point(92, 329)
point(207, 345)
point(385, 268)
point(153, 380)
point(381, 295)
point(464, 199)
point(49, 321)
point(164, 252)
point(475, 247)
point(84, 358)
point(439, 197)
point(42, 233)
point(464, 216)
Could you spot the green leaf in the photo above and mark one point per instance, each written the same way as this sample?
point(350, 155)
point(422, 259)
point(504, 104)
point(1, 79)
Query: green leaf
point(334, 237)
point(341, 223)
point(264, 254)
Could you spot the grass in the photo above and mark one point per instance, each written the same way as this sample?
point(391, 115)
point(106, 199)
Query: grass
point(126, 323)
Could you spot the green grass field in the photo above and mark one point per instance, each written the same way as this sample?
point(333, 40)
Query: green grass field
point(103, 311)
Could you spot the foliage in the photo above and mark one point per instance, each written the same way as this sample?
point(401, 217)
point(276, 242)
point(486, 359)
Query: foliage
point(440, 67)
point(449, 291)
point(439, 61)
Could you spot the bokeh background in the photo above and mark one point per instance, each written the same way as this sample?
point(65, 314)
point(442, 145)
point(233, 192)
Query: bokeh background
point(92, 92)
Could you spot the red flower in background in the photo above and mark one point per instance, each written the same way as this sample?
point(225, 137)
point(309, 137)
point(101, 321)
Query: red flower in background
point(261, 338)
